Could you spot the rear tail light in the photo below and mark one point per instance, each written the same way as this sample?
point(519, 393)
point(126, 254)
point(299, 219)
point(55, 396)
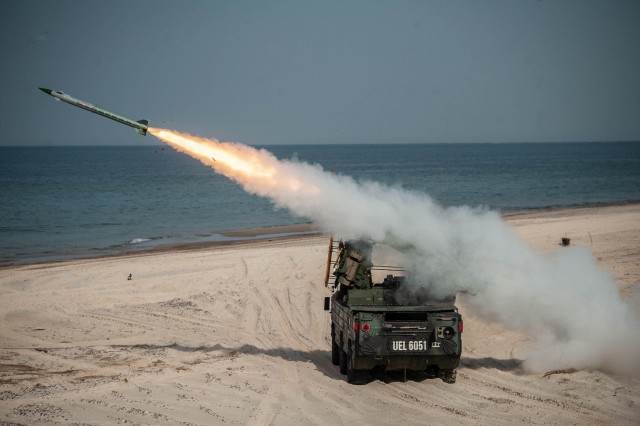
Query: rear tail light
point(356, 326)
point(460, 326)
point(366, 327)
point(448, 333)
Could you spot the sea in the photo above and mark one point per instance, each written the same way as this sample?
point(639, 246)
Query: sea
point(60, 203)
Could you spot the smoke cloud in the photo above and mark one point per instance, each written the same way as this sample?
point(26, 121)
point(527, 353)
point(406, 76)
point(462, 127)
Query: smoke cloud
point(565, 301)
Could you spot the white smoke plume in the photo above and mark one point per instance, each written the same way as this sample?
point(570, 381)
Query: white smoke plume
point(565, 301)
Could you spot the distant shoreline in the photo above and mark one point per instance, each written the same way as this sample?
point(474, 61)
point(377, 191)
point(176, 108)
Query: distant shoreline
point(576, 207)
point(280, 233)
point(226, 238)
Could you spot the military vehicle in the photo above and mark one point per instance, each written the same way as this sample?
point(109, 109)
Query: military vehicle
point(373, 327)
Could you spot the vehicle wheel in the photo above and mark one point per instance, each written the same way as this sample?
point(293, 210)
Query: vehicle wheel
point(344, 360)
point(335, 351)
point(448, 375)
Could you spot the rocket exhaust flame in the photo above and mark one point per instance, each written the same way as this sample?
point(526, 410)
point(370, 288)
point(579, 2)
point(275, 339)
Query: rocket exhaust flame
point(569, 305)
point(256, 170)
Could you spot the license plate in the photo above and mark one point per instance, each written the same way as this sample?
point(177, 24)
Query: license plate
point(409, 345)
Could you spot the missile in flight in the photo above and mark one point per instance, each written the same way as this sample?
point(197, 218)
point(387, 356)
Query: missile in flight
point(141, 125)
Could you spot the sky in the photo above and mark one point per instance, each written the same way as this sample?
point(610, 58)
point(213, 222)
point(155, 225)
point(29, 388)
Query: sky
point(313, 72)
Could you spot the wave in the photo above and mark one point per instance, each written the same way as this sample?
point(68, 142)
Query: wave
point(139, 240)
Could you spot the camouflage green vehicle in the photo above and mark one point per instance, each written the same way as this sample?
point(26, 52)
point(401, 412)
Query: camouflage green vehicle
point(372, 327)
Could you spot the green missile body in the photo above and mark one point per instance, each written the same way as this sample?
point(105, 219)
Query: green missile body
point(141, 125)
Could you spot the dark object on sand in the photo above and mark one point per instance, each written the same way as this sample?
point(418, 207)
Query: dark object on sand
point(129, 277)
point(373, 327)
point(565, 242)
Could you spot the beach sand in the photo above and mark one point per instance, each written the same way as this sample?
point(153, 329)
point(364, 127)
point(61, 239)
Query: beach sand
point(237, 334)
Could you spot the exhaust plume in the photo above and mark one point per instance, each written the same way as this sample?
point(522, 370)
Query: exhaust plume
point(565, 301)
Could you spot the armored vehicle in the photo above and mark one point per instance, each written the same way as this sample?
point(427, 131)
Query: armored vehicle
point(373, 326)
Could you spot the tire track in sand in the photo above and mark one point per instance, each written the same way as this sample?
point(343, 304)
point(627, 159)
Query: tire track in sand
point(270, 406)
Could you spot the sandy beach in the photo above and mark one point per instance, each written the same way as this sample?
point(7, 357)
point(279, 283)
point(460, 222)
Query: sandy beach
point(237, 334)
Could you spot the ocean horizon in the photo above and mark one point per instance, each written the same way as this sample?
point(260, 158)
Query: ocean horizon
point(86, 201)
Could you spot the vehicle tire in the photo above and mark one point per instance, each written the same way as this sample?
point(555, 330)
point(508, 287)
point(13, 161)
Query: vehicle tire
point(335, 350)
point(448, 375)
point(344, 361)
